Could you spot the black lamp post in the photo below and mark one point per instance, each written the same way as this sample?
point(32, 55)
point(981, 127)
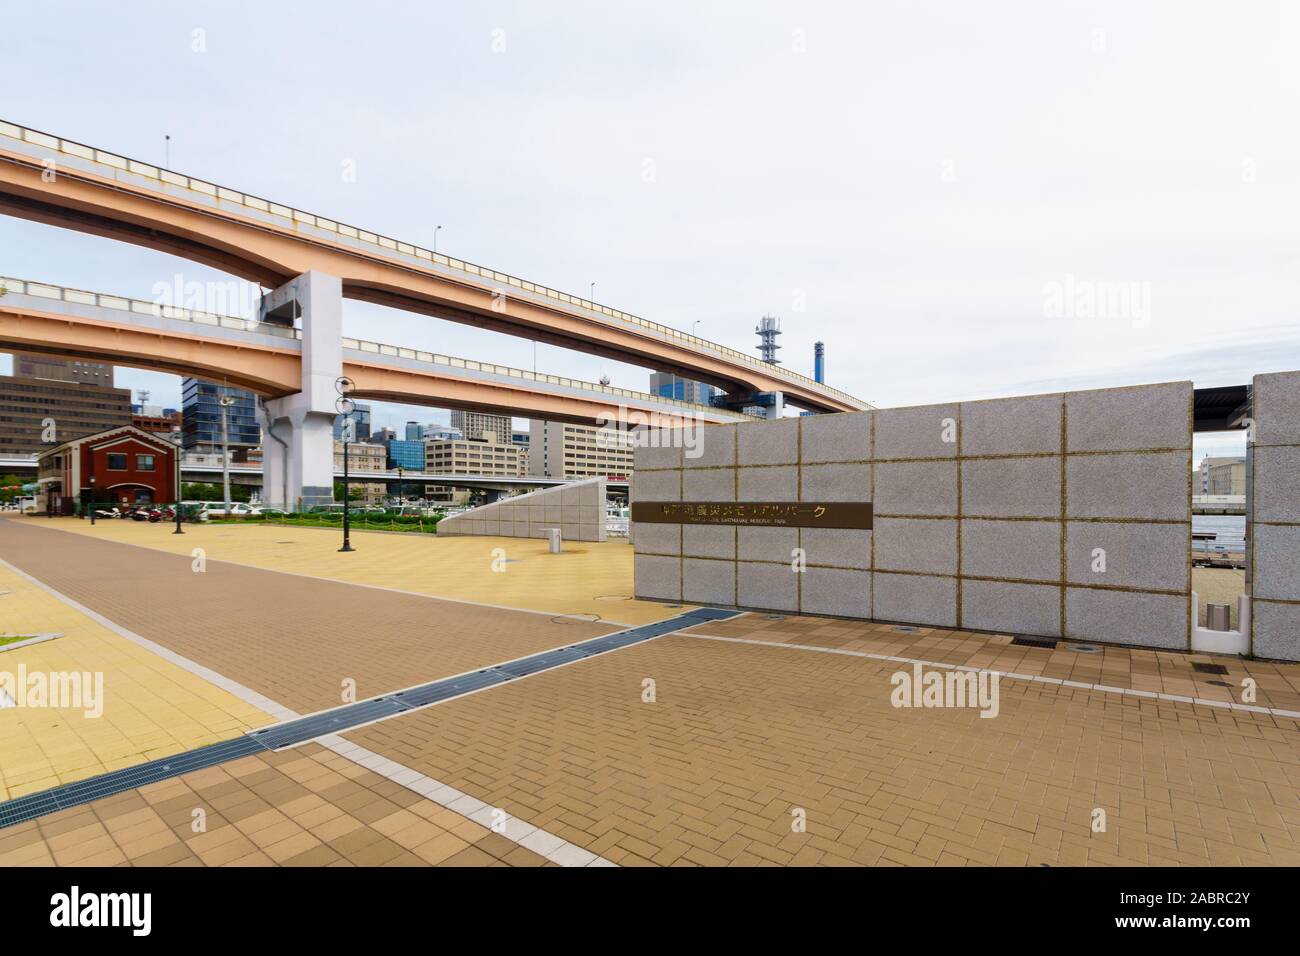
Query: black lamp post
point(401, 501)
point(92, 499)
point(176, 437)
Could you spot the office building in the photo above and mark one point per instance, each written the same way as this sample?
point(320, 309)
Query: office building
point(668, 385)
point(408, 455)
point(1223, 476)
point(201, 417)
point(364, 457)
point(464, 456)
point(476, 426)
point(436, 432)
point(414, 431)
point(50, 400)
point(564, 450)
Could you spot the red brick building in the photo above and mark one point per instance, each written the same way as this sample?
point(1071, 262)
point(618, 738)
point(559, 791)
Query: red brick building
point(123, 466)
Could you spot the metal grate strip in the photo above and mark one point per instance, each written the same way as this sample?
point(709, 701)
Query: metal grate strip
point(302, 729)
point(119, 781)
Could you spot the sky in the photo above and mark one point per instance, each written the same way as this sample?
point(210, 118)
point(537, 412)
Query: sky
point(961, 200)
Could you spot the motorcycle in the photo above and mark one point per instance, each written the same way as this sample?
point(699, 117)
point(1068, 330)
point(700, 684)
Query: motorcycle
point(107, 513)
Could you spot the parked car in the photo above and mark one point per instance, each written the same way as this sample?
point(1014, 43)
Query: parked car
point(217, 509)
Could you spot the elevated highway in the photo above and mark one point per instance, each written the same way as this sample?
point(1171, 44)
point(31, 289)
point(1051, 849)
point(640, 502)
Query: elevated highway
point(266, 358)
point(50, 179)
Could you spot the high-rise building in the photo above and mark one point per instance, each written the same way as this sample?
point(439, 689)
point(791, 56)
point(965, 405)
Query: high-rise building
point(477, 425)
point(383, 436)
point(406, 454)
point(437, 432)
point(564, 450)
point(361, 415)
point(414, 431)
point(364, 457)
point(201, 415)
point(50, 400)
point(668, 385)
point(465, 456)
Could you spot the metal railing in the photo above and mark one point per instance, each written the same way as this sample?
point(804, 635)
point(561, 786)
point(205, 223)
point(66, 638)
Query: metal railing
point(44, 290)
point(297, 217)
point(140, 307)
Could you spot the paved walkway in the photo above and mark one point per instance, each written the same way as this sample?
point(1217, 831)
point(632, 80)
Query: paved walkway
point(742, 738)
point(152, 708)
point(305, 807)
point(742, 743)
point(294, 639)
point(1220, 678)
point(593, 579)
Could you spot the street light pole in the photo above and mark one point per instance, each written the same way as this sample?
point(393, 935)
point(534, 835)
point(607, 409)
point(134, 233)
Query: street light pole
point(176, 437)
point(92, 499)
point(401, 502)
point(225, 401)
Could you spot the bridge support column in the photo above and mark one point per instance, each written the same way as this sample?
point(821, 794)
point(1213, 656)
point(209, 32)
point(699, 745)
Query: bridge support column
point(301, 470)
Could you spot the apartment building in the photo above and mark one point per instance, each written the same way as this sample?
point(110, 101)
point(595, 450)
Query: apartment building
point(564, 450)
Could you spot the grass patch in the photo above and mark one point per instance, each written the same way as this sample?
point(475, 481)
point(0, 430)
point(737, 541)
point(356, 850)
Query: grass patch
point(14, 638)
point(358, 523)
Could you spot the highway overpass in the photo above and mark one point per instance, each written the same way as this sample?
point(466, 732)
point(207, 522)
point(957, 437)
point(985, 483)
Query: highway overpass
point(53, 180)
point(266, 358)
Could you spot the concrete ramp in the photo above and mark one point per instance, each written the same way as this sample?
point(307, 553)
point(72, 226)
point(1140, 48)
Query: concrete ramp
point(577, 509)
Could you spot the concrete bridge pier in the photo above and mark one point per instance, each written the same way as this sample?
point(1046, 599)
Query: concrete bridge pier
point(298, 453)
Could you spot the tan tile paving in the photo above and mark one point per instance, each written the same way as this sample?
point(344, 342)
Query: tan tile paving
point(294, 639)
point(151, 706)
point(1275, 685)
point(740, 736)
point(305, 807)
point(589, 578)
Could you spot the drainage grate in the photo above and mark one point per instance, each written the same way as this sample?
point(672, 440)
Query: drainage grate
point(1203, 668)
point(1083, 648)
point(1025, 640)
point(905, 629)
point(335, 721)
point(1219, 683)
point(119, 781)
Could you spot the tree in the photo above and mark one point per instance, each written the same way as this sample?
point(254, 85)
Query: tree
point(208, 491)
point(355, 493)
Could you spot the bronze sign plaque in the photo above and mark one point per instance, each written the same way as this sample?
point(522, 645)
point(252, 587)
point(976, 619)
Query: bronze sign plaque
point(778, 514)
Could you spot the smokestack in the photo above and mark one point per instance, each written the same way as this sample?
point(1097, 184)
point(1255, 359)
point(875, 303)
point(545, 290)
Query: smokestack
point(819, 363)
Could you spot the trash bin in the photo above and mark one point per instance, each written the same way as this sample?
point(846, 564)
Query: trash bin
point(1218, 617)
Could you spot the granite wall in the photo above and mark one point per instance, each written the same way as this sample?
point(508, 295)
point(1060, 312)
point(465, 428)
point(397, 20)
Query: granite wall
point(1273, 506)
point(988, 515)
point(578, 509)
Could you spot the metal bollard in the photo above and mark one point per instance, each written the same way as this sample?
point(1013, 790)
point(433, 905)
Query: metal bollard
point(1218, 617)
point(556, 537)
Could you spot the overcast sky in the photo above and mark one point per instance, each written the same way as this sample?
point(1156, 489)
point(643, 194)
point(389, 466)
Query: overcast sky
point(963, 200)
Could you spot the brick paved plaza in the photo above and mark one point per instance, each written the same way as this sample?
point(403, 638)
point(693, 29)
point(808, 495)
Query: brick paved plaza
point(763, 739)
